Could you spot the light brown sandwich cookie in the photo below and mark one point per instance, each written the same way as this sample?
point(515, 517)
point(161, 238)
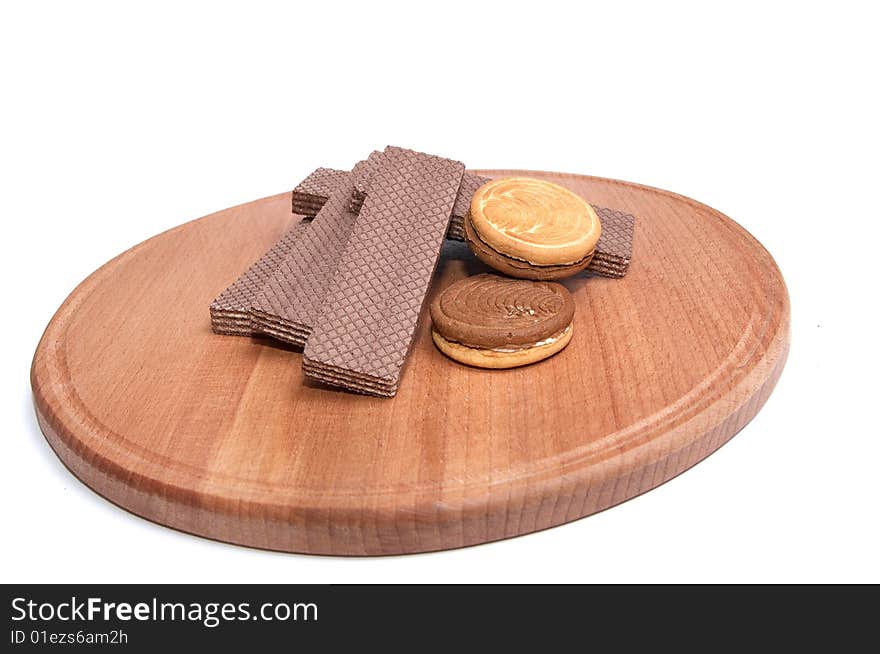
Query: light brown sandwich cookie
point(490, 321)
point(531, 228)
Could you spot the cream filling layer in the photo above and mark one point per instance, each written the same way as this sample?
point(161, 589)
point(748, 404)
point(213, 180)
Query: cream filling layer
point(562, 264)
point(546, 341)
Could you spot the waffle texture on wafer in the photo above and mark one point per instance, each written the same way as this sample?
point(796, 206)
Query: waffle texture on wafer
point(230, 311)
point(370, 313)
point(290, 300)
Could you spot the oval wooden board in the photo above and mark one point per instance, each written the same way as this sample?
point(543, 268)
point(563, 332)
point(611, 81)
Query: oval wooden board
point(220, 435)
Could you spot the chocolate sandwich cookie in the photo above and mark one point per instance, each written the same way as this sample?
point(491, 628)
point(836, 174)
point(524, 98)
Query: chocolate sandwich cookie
point(531, 228)
point(490, 321)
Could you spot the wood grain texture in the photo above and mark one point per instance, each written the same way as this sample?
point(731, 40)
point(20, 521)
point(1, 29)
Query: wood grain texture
point(222, 436)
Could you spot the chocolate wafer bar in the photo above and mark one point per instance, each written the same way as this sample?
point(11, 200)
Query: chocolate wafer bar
point(313, 191)
point(290, 300)
point(361, 180)
point(613, 251)
point(230, 310)
point(310, 194)
point(370, 313)
point(469, 185)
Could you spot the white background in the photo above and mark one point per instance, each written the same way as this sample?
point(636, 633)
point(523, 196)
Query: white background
point(118, 123)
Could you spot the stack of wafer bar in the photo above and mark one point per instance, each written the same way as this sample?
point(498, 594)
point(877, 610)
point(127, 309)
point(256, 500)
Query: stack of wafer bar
point(348, 282)
point(230, 311)
point(311, 193)
point(613, 251)
point(290, 300)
